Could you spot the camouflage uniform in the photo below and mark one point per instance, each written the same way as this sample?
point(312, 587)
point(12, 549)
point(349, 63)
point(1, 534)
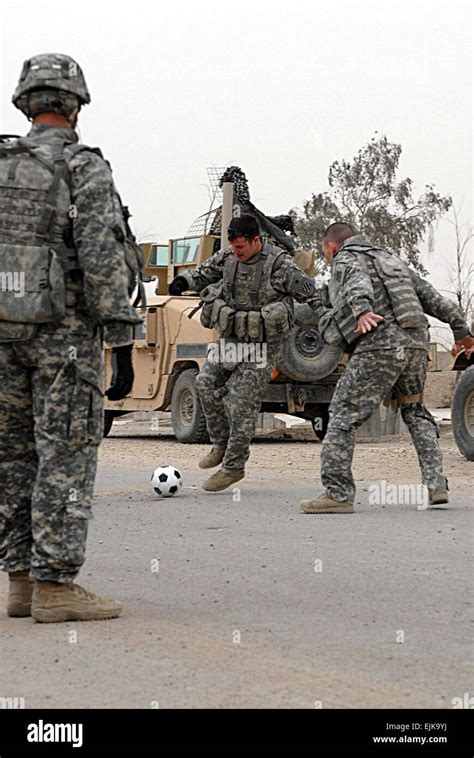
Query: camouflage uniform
point(231, 391)
point(386, 357)
point(51, 397)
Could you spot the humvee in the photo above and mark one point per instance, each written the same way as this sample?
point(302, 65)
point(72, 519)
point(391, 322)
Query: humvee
point(170, 348)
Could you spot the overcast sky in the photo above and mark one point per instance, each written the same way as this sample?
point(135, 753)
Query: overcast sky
point(281, 89)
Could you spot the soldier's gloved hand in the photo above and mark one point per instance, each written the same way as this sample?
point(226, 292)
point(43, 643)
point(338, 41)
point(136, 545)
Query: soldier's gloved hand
point(178, 286)
point(123, 376)
point(467, 343)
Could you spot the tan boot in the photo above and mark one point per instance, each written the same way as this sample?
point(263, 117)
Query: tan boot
point(325, 504)
point(53, 602)
point(221, 480)
point(213, 458)
point(19, 594)
point(438, 498)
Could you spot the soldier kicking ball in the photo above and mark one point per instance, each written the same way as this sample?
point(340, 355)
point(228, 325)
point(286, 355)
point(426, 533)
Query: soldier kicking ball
point(247, 290)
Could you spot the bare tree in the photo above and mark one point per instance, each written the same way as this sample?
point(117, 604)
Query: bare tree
point(461, 275)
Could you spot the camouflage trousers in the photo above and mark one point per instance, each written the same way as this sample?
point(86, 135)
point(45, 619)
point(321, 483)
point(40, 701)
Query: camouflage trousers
point(51, 411)
point(231, 396)
point(367, 380)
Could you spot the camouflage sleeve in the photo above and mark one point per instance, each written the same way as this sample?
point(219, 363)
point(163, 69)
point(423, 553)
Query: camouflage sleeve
point(98, 231)
point(209, 272)
point(327, 327)
point(353, 282)
point(440, 307)
point(289, 279)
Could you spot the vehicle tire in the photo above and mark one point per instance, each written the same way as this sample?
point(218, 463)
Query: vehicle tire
point(108, 421)
point(305, 357)
point(187, 416)
point(462, 413)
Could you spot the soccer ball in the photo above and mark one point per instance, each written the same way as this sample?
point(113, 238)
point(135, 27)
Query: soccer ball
point(166, 481)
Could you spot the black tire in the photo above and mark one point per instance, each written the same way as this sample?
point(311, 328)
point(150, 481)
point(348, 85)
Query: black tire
point(108, 421)
point(305, 357)
point(462, 413)
point(187, 416)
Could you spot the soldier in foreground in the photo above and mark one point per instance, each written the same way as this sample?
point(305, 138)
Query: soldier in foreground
point(376, 310)
point(247, 290)
point(63, 237)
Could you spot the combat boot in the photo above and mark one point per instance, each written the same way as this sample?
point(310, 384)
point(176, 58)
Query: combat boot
point(213, 458)
point(53, 602)
point(325, 504)
point(221, 480)
point(19, 594)
point(437, 497)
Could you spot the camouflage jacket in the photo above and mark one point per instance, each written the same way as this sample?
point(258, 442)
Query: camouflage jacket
point(287, 278)
point(350, 278)
point(97, 231)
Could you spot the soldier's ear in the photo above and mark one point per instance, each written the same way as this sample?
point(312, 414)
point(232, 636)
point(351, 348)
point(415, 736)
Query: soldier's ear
point(74, 115)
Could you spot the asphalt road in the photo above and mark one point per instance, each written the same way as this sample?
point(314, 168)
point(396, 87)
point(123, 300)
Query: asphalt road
point(255, 604)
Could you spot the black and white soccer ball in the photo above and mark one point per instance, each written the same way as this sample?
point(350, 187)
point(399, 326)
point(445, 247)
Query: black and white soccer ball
point(166, 481)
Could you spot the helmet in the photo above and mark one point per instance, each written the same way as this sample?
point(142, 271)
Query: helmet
point(57, 74)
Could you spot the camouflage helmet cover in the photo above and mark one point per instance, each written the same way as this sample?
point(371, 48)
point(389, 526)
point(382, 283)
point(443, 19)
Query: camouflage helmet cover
point(51, 71)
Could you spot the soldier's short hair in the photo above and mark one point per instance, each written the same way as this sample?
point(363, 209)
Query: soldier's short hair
point(338, 232)
point(243, 226)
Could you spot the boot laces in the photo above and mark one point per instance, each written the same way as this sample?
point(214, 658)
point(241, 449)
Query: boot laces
point(82, 592)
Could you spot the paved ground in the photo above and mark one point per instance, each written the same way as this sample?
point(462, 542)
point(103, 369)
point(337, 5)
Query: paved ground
point(255, 604)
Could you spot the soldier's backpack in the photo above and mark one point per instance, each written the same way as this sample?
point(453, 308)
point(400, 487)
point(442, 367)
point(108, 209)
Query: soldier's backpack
point(33, 257)
point(39, 268)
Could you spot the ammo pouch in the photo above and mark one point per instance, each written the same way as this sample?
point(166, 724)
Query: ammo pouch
point(215, 313)
point(255, 326)
point(32, 286)
point(240, 325)
point(248, 326)
point(225, 321)
point(279, 321)
point(208, 296)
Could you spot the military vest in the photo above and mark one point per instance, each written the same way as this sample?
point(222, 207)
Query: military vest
point(395, 297)
point(244, 304)
point(39, 267)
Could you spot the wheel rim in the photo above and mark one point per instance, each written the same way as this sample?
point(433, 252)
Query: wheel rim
point(309, 342)
point(469, 413)
point(186, 407)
